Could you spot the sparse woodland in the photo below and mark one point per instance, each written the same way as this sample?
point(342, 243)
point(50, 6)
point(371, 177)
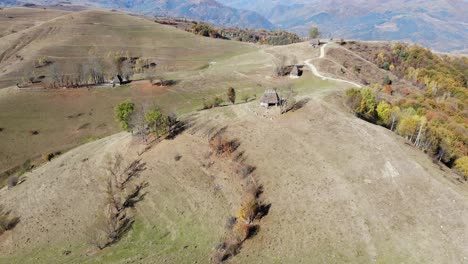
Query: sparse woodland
point(433, 118)
point(261, 36)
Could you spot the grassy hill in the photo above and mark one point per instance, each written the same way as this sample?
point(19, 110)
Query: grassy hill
point(339, 188)
point(65, 118)
point(323, 185)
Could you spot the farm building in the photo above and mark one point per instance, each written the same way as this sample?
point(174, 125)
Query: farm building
point(315, 43)
point(270, 98)
point(296, 71)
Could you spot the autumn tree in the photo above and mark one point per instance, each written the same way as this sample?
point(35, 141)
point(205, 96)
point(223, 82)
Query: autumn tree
point(231, 94)
point(157, 121)
point(462, 165)
point(123, 112)
point(384, 110)
point(353, 98)
point(314, 32)
point(368, 105)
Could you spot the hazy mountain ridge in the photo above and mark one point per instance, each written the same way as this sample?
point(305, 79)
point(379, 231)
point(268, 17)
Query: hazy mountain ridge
point(207, 10)
point(439, 24)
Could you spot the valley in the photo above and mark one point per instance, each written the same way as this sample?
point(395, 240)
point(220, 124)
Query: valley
point(312, 180)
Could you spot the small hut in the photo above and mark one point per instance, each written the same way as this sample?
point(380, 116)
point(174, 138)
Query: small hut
point(296, 71)
point(314, 43)
point(270, 98)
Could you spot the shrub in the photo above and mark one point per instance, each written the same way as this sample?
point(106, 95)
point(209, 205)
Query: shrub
point(462, 165)
point(207, 105)
point(353, 99)
point(12, 181)
point(222, 146)
point(244, 231)
point(244, 170)
point(123, 112)
point(387, 80)
point(248, 211)
point(231, 94)
point(217, 101)
point(7, 222)
point(386, 66)
point(48, 157)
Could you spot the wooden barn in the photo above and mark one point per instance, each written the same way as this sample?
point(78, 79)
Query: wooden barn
point(270, 98)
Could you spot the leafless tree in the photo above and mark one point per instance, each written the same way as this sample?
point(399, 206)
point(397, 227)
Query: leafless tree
point(288, 101)
point(137, 122)
point(95, 71)
point(280, 65)
point(79, 75)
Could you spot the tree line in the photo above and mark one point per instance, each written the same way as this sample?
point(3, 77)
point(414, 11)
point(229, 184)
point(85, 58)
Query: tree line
point(433, 132)
point(261, 36)
point(114, 66)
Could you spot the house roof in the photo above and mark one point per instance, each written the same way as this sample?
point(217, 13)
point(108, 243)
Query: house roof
point(270, 97)
point(295, 71)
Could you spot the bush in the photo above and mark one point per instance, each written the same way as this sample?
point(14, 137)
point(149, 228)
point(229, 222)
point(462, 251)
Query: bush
point(123, 112)
point(353, 99)
point(231, 94)
point(217, 101)
point(221, 146)
point(13, 181)
point(462, 165)
point(244, 170)
point(248, 210)
point(7, 222)
point(48, 157)
point(387, 80)
point(207, 105)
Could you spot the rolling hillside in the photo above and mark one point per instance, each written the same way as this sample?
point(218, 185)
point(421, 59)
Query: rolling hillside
point(237, 183)
point(65, 118)
point(339, 189)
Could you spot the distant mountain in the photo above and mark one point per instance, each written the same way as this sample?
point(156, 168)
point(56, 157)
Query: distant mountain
point(210, 11)
point(439, 24)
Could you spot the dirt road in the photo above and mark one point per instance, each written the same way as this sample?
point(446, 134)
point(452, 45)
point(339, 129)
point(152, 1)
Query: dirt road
point(317, 73)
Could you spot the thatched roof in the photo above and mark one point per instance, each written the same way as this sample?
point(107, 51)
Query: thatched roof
point(270, 97)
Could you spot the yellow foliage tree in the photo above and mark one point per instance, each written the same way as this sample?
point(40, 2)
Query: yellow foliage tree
point(247, 211)
point(384, 111)
point(462, 165)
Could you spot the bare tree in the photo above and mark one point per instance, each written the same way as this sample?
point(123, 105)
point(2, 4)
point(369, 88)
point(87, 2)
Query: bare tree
point(116, 220)
point(95, 71)
point(137, 122)
point(280, 65)
point(79, 74)
point(288, 101)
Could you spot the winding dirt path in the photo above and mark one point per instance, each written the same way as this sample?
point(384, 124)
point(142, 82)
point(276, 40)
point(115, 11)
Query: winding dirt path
point(317, 73)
